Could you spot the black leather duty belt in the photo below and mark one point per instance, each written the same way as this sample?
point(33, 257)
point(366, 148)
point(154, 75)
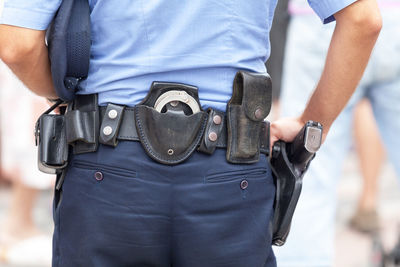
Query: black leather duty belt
point(170, 123)
point(118, 123)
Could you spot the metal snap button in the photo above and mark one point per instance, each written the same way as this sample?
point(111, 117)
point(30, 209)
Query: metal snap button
point(170, 151)
point(98, 176)
point(107, 130)
point(217, 119)
point(213, 136)
point(258, 113)
point(112, 114)
point(244, 184)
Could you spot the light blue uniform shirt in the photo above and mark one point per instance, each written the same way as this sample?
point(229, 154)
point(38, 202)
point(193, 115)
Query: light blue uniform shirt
point(199, 42)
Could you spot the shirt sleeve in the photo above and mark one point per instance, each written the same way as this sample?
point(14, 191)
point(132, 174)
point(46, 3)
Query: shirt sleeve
point(32, 14)
point(326, 8)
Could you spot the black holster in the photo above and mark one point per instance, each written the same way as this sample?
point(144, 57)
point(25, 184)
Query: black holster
point(288, 188)
point(289, 162)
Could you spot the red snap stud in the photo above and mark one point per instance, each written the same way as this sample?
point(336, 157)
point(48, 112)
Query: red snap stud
point(98, 176)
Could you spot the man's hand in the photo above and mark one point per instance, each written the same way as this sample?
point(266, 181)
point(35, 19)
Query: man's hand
point(285, 129)
point(25, 53)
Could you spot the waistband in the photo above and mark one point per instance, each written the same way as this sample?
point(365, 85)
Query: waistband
point(89, 124)
point(110, 118)
point(170, 123)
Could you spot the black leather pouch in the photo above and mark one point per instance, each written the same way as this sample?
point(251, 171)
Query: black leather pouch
point(83, 123)
point(169, 136)
point(249, 106)
point(51, 141)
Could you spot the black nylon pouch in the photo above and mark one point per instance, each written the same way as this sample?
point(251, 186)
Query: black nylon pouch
point(249, 106)
point(169, 137)
point(52, 143)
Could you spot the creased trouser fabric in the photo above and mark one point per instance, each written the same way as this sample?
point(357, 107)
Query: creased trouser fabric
point(119, 208)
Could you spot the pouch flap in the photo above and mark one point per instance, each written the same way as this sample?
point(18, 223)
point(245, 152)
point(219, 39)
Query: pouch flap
point(170, 137)
point(254, 92)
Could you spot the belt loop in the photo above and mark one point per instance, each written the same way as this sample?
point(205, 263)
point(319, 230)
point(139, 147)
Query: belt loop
point(110, 125)
point(212, 134)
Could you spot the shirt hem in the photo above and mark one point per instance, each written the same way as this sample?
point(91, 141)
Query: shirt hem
point(326, 9)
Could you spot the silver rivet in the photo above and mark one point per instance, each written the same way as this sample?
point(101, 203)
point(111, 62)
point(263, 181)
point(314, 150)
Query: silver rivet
point(217, 119)
point(244, 184)
point(107, 130)
point(98, 176)
point(213, 136)
point(258, 113)
point(112, 114)
point(170, 151)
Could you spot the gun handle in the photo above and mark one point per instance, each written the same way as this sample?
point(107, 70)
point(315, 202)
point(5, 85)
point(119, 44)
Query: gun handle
point(307, 142)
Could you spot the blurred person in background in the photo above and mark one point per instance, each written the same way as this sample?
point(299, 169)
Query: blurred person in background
point(311, 240)
point(371, 154)
point(21, 241)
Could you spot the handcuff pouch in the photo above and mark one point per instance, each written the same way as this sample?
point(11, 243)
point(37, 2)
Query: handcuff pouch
point(169, 136)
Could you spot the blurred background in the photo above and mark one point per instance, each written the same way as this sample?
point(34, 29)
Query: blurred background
point(356, 198)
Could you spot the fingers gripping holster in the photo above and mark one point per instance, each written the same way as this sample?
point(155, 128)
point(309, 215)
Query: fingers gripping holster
point(170, 131)
point(249, 106)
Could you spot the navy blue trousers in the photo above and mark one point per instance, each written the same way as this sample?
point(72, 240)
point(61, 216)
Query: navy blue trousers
point(117, 207)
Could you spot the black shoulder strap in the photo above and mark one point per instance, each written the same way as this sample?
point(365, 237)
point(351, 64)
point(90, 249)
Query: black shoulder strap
point(69, 42)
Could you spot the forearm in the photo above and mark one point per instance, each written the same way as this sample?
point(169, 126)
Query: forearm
point(25, 52)
point(347, 57)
